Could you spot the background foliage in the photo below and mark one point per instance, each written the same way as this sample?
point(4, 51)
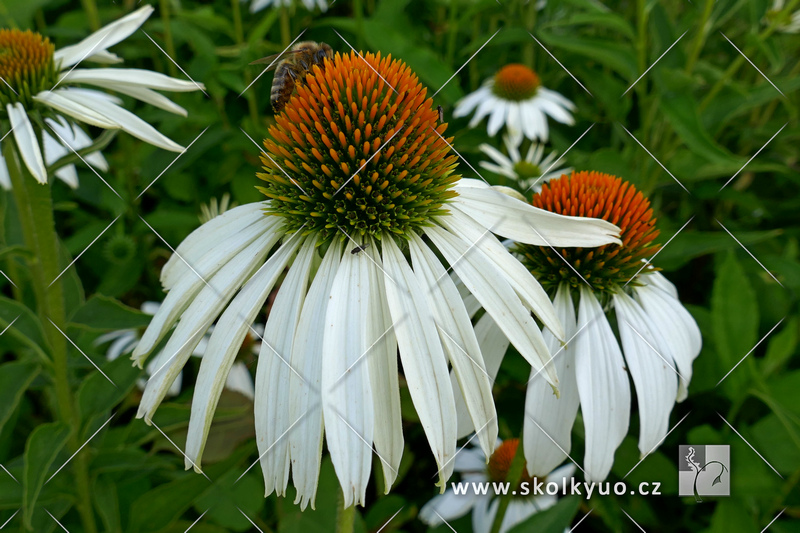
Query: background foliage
point(703, 111)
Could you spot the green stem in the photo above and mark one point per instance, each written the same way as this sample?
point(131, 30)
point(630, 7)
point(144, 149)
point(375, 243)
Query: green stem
point(35, 209)
point(169, 44)
point(358, 15)
point(452, 33)
point(641, 44)
point(238, 32)
point(90, 7)
point(700, 38)
point(286, 32)
point(474, 79)
point(252, 102)
point(514, 477)
point(529, 48)
point(346, 517)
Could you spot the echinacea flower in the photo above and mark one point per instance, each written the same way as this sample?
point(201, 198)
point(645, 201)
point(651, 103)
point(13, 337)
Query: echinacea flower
point(515, 98)
point(785, 22)
point(258, 5)
point(123, 341)
point(659, 337)
point(356, 173)
point(42, 86)
point(532, 171)
point(476, 471)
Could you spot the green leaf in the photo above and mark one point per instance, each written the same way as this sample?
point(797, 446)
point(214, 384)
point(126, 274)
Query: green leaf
point(102, 312)
point(780, 348)
point(107, 504)
point(616, 56)
point(553, 520)
point(25, 326)
point(41, 450)
point(14, 379)
point(734, 317)
point(690, 244)
point(96, 395)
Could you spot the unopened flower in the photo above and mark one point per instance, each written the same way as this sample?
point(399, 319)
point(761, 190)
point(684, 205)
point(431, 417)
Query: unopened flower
point(475, 470)
point(515, 98)
point(659, 337)
point(530, 172)
point(310, 5)
point(42, 86)
point(356, 173)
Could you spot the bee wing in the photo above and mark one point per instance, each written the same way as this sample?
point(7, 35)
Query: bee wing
point(274, 59)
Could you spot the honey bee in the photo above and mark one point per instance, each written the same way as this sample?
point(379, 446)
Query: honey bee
point(292, 67)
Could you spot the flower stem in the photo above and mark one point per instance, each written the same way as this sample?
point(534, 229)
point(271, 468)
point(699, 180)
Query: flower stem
point(252, 102)
point(452, 33)
point(346, 517)
point(700, 38)
point(514, 476)
point(169, 44)
point(90, 7)
point(35, 208)
point(358, 14)
point(286, 32)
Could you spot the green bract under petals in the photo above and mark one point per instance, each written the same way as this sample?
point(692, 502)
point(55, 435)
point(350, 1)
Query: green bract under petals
point(26, 66)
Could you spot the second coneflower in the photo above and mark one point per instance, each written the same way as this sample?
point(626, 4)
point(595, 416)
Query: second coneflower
point(360, 186)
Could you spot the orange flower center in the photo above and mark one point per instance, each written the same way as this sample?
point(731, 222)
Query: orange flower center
point(598, 195)
point(358, 149)
point(500, 462)
point(26, 66)
point(515, 82)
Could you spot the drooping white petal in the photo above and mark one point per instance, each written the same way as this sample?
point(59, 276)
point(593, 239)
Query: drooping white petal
point(553, 96)
point(488, 105)
point(28, 144)
point(602, 386)
point(102, 39)
point(5, 179)
point(69, 175)
point(128, 76)
point(305, 404)
point(548, 418)
point(469, 102)
point(149, 96)
point(346, 389)
point(382, 362)
point(524, 284)
point(657, 279)
point(516, 220)
point(82, 140)
point(104, 57)
point(459, 341)
point(194, 322)
point(273, 373)
point(489, 286)
point(424, 363)
point(239, 380)
point(650, 363)
point(498, 117)
point(61, 100)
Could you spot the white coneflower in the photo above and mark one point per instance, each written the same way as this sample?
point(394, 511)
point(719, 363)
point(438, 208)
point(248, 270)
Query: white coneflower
point(356, 172)
point(258, 5)
point(785, 22)
point(123, 341)
point(515, 98)
point(532, 171)
point(660, 339)
point(43, 86)
point(475, 470)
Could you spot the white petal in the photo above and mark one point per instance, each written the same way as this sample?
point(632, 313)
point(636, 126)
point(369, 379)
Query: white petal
point(553, 96)
point(82, 140)
point(102, 39)
point(149, 96)
point(657, 279)
point(602, 386)
point(346, 388)
point(548, 417)
point(5, 179)
point(53, 150)
point(498, 170)
point(128, 76)
point(650, 363)
point(104, 57)
point(447, 506)
point(459, 341)
point(69, 175)
point(239, 380)
point(553, 107)
point(382, 361)
point(516, 220)
point(496, 155)
point(497, 297)
point(469, 102)
point(514, 124)
point(272, 403)
point(28, 144)
point(498, 117)
point(424, 363)
point(61, 100)
point(471, 460)
point(305, 440)
point(485, 107)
